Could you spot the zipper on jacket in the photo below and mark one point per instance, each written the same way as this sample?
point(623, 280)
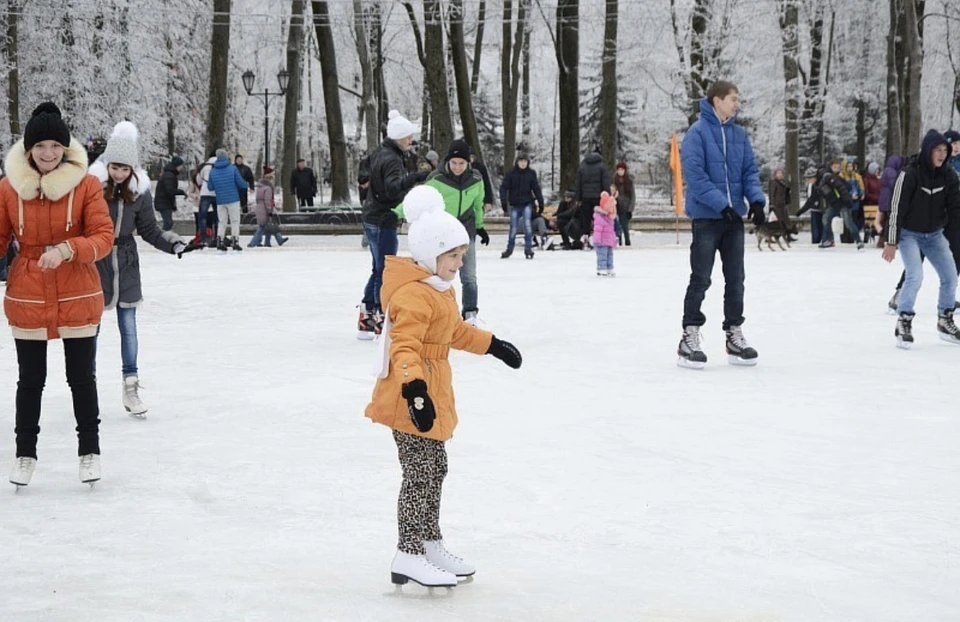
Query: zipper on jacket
point(726, 169)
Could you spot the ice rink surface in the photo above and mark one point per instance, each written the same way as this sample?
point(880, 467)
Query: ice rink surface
point(599, 482)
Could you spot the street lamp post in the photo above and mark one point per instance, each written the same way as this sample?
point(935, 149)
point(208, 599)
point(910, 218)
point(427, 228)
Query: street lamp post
point(283, 79)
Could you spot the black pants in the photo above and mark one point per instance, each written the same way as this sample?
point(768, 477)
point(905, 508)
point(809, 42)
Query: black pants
point(32, 359)
point(305, 201)
point(709, 237)
point(243, 201)
point(625, 226)
point(586, 214)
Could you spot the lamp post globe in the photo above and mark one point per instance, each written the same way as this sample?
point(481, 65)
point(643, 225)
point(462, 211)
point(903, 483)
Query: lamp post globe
point(248, 79)
point(283, 79)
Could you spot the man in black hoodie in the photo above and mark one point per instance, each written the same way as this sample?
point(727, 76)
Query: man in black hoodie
point(925, 197)
point(519, 190)
point(593, 177)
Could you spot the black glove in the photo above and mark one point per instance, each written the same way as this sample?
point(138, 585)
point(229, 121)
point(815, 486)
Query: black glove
point(180, 248)
point(419, 405)
point(484, 236)
point(506, 352)
point(730, 216)
point(756, 209)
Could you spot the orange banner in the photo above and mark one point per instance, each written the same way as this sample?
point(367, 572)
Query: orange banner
point(677, 174)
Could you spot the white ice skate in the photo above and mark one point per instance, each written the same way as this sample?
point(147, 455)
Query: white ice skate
point(22, 471)
point(440, 557)
point(409, 567)
point(131, 397)
point(90, 468)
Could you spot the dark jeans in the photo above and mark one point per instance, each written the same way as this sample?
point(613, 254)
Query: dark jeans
point(625, 227)
point(305, 201)
point(206, 203)
point(382, 242)
point(816, 226)
point(167, 216)
point(244, 197)
point(586, 215)
point(32, 359)
point(710, 236)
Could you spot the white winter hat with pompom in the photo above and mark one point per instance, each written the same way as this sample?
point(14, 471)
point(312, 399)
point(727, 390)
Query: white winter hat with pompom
point(399, 127)
point(433, 231)
point(122, 146)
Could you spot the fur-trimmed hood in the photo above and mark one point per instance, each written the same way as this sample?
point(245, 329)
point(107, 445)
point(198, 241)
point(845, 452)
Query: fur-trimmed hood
point(99, 170)
point(29, 183)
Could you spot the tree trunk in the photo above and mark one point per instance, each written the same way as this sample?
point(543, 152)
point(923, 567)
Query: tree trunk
point(368, 104)
point(506, 43)
point(913, 47)
point(13, 73)
point(568, 63)
point(790, 42)
point(379, 85)
point(291, 104)
point(462, 77)
point(436, 74)
point(699, 80)
point(510, 75)
point(821, 138)
point(608, 86)
point(812, 116)
point(894, 128)
point(219, 63)
point(526, 123)
point(478, 50)
point(339, 184)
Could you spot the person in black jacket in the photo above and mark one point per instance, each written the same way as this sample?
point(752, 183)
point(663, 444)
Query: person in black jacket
point(168, 189)
point(567, 214)
point(389, 183)
point(519, 190)
point(925, 197)
point(593, 177)
point(303, 183)
point(247, 174)
point(838, 202)
point(481, 168)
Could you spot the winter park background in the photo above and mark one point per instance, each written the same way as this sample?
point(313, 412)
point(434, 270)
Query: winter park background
point(599, 482)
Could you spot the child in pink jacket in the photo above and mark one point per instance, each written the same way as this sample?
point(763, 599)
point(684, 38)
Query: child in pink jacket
point(605, 233)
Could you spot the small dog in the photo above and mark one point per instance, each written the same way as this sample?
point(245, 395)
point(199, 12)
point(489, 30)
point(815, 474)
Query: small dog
point(770, 232)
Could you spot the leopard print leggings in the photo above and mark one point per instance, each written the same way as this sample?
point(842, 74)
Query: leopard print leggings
point(424, 465)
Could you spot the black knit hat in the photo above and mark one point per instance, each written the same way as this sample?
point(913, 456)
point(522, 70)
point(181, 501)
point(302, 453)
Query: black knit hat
point(458, 149)
point(45, 124)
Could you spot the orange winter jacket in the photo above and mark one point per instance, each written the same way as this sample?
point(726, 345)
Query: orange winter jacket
point(426, 324)
point(63, 208)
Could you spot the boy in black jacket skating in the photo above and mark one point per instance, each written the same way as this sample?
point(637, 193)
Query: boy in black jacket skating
point(925, 197)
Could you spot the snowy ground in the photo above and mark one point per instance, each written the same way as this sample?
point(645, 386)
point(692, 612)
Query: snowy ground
point(599, 482)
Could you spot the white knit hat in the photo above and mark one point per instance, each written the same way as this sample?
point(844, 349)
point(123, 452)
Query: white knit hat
point(433, 231)
point(122, 146)
point(399, 127)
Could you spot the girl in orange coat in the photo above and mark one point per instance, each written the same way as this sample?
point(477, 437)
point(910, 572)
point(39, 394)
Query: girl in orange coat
point(414, 394)
point(61, 221)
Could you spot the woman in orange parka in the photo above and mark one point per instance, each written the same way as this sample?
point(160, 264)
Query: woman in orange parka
point(60, 218)
point(414, 395)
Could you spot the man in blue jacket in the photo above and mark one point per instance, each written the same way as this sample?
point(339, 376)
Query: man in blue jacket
point(226, 181)
point(721, 175)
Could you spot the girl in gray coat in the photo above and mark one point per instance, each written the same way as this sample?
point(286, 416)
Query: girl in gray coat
point(265, 207)
point(127, 191)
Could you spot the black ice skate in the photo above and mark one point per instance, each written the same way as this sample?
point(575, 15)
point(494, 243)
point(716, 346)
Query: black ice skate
point(528, 254)
point(506, 254)
point(904, 331)
point(236, 245)
point(738, 351)
point(689, 353)
point(947, 329)
point(223, 244)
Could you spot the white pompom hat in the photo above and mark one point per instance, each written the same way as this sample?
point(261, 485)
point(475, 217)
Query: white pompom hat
point(433, 231)
point(399, 127)
point(122, 146)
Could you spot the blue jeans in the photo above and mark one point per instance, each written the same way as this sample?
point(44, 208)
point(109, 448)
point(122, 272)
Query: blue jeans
point(468, 277)
point(205, 204)
point(167, 216)
point(710, 236)
point(847, 214)
point(264, 237)
point(604, 257)
point(816, 226)
point(127, 323)
point(524, 212)
point(913, 246)
point(382, 242)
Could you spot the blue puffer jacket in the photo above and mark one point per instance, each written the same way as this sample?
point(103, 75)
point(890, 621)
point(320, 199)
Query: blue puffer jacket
point(718, 166)
point(226, 181)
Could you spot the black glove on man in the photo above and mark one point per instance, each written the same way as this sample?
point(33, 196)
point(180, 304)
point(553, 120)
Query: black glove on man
point(419, 405)
point(756, 209)
point(730, 216)
point(506, 352)
point(484, 236)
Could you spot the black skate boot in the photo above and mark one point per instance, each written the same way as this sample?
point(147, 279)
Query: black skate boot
point(893, 303)
point(506, 254)
point(904, 330)
point(946, 328)
point(223, 244)
point(236, 245)
point(689, 353)
point(528, 253)
point(738, 351)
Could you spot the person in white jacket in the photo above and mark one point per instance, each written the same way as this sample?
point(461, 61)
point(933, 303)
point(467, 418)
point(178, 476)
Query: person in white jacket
point(208, 201)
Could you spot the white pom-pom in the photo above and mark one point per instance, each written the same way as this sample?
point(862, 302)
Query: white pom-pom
point(393, 114)
point(125, 130)
point(421, 200)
